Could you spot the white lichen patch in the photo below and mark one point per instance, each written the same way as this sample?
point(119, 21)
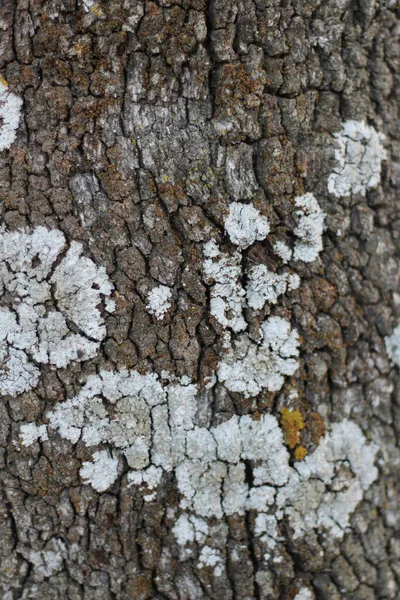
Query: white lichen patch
point(154, 425)
point(304, 594)
point(309, 229)
point(93, 7)
point(265, 286)
point(49, 560)
point(88, 4)
point(215, 485)
point(188, 529)
point(149, 478)
point(79, 286)
point(392, 343)
point(31, 433)
point(266, 527)
point(211, 557)
point(251, 367)
point(318, 494)
point(49, 312)
point(10, 114)
point(224, 273)
point(244, 224)
point(127, 426)
point(359, 157)
point(134, 413)
point(159, 301)
point(325, 489)
point(283, 251)
point(183, 530)
point(224, 270)
point(101, 472)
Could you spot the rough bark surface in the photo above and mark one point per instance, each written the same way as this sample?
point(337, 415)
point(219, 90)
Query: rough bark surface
point(141, 124)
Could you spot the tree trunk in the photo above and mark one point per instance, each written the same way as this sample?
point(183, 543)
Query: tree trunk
point(199, 279)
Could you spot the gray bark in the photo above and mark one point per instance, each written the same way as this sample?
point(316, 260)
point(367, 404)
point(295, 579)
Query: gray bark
point(142, 122)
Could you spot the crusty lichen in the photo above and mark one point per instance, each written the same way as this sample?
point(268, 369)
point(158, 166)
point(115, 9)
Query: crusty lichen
point(292, 422)
point(10, 114)
point(138, 401)
point(224, 273)
point(359, 157)
point(300, 452)
point(250, 367)
point(49, 560)
point(41, 299)
point(392, 343)
point(101, 472)
point(30, 433)
point(265, 286)
point(158, 301)
point(154, 424)
point(244, 224)
point(304, 594)
point(309, 229)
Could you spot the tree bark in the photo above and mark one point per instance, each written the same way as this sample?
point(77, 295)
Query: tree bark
point(199, 287)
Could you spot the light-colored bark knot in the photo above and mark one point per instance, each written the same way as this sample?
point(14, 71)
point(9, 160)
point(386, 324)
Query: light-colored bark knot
point(49, 305)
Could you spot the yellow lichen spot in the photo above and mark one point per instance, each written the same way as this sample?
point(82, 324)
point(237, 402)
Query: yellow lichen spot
point(3, 81)
point(78, 49)
point(97, 10)
point(292, 423)
point(300, 453)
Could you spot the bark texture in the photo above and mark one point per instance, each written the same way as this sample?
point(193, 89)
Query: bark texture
point(142, 124)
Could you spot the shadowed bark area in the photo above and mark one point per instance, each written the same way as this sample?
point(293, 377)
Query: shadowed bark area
point(216, 284)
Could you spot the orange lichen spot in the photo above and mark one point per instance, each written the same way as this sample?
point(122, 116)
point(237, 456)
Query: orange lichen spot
point(292, 423)
point(3, 81)
point(300, 453)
